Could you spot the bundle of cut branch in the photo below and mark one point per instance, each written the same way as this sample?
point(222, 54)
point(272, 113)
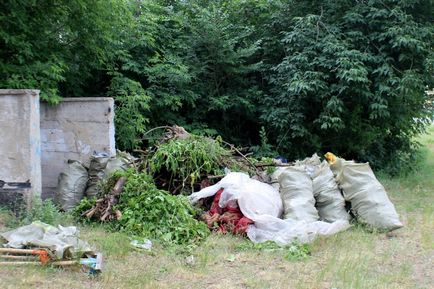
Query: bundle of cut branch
point(104, 208)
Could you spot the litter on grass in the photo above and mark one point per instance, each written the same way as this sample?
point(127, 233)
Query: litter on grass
point(262, 204)
point(63, 242)
point(145, 244)
point(40, 244)
point(281, 202)
point(310, 203)
point(369, 200)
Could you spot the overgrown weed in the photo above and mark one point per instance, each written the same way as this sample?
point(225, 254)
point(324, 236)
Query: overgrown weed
point(294, 251)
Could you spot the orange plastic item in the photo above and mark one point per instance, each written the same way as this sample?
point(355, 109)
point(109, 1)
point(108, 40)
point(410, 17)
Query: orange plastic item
point(330, 157)
point(44, 258)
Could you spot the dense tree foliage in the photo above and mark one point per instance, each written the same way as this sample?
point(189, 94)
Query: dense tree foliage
point(291, 77)
point(59, 46)
point(352, 80)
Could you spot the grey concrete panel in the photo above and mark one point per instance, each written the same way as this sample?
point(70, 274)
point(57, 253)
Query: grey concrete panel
point(20, 147)
point(74, 129)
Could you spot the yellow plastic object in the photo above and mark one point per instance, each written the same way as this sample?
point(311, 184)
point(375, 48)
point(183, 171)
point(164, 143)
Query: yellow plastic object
point(330, 157)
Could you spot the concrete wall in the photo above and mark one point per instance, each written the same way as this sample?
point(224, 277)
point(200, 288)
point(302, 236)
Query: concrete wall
point(20, 147)
point(74, 129)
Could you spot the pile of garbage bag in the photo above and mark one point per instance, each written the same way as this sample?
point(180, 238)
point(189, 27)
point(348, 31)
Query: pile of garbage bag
point(77, 181)
point(296, 202)
point(302, 202)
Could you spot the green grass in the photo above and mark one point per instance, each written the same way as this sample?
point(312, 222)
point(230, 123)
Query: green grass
point(355, 258)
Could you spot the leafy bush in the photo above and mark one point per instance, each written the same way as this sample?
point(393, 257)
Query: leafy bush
point(156, 214)
point(342, 76)
point(132, 104)
point(44, 211)
point(77, 41)
point(265, 149)
point(353, 81)
point(292, 252)
point(189, 159)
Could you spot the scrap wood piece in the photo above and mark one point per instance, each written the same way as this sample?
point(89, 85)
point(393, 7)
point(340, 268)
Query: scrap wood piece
point(104, 208)
point(172, 132)
point(42, 254)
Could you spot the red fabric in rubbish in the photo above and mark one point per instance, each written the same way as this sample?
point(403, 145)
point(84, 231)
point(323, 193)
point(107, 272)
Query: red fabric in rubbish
point(228, 219)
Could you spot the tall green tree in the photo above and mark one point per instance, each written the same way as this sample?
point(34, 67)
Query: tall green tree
point(59, 46)
point(222, 59)
point(353, 80)
point(345, 76)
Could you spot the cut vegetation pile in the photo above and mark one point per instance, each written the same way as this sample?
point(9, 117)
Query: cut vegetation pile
point(149, 200)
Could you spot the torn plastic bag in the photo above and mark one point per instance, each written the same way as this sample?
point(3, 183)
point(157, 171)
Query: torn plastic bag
point(329, 201)
point(71, 185)
point(62, 241)
point(297, 195)
point(368, 198)
point(253, 197)
point(262, 204)
point(284, 232)
point(310, 165)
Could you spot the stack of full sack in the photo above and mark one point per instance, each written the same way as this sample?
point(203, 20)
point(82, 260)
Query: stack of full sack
point(76, 181)
point(311, 191)
point(368, 198)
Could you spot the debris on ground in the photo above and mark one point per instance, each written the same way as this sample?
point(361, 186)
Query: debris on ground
point(227, 219)
point(105, 207)
point(368, 198)
point(102, 166)
point(266, 200)
point(146, 244)
point(262, 204)
point(42, 244)
point(149, 212)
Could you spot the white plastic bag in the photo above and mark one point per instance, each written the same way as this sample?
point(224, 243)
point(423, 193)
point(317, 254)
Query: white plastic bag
point(262, 204)
point(253, 197)
point(284, 232)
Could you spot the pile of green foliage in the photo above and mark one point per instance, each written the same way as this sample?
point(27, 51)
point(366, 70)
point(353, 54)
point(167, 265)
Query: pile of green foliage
point(152, 213)
point(183, 162)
